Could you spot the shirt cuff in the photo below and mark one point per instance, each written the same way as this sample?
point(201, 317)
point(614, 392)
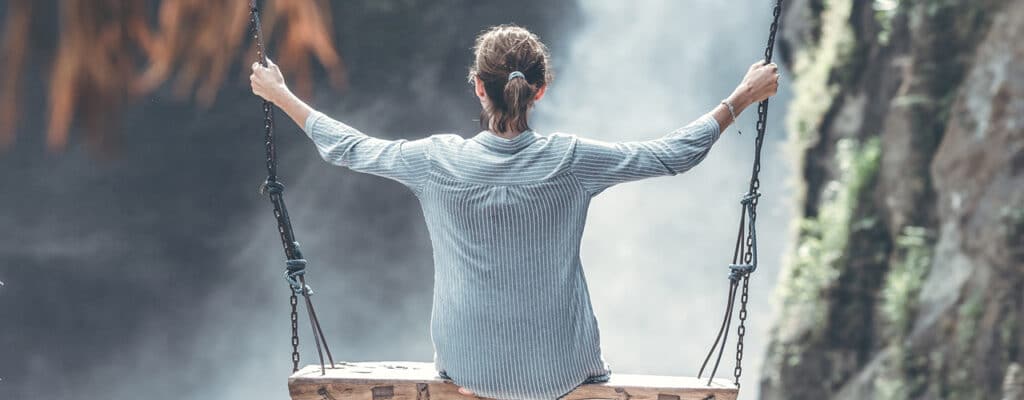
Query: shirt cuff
point(310, 121)
point(712, 124)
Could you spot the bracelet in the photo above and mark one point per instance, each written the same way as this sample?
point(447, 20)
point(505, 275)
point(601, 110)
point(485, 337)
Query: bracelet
point(732, 111)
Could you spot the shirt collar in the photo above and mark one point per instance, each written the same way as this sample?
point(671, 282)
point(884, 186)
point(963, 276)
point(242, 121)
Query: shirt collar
point(502, 145)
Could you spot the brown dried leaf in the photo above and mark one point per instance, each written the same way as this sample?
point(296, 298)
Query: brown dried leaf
point(14, 51)
point(196, 41)
point(92, 68)
point(306, 26)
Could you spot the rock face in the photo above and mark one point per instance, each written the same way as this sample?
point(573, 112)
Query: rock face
point(907, 277)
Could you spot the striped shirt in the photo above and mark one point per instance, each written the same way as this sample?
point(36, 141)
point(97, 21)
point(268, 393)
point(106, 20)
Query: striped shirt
point(511, 315)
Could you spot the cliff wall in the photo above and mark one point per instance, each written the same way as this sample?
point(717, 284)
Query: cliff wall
point(907, 277)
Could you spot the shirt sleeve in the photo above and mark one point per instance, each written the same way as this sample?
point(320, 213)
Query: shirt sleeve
point(599, 165)
point(403, 160)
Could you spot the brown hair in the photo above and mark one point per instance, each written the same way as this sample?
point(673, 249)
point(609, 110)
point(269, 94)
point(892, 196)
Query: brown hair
point(498, 52)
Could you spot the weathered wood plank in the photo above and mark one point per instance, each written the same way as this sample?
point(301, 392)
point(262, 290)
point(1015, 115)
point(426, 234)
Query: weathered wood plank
point(409, 380)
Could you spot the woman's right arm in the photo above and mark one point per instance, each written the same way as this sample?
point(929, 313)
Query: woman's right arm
point(599, 164)
point(268, 83)
point(340, 144)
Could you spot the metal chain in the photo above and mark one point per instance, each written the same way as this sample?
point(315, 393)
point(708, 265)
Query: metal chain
point(268, 114)
point(744, 260)
point(294, 301)
point(740, 331)
point(750, 256)
point(296, 264)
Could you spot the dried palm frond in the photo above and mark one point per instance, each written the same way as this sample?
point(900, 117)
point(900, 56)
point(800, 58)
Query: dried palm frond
point(200, 38)
point(15, 43)
point(306, 33)
point(102, 43)
point(93, 67)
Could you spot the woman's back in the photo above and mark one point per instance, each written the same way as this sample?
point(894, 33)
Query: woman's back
point(512, 317)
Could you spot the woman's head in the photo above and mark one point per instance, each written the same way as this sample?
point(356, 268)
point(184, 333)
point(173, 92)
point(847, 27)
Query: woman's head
point(506, 97)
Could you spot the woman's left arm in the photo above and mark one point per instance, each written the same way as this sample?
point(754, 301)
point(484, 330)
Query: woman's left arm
point(599, 164)
point(339, 144)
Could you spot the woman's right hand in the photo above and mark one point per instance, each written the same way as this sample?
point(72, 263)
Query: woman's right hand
point(267, 82)
point(761, 82)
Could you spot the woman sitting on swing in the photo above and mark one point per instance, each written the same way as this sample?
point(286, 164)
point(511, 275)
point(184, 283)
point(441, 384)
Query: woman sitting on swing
point(512, 317)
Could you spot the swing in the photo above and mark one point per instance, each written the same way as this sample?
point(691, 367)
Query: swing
point(404, 380)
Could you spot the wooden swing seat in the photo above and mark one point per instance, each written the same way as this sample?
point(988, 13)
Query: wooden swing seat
point(410, 380)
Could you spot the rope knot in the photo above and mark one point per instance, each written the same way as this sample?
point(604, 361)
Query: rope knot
point(749, 197)
point(296, 265)
point(272, 187)
point(737, 271)
point(293, 270)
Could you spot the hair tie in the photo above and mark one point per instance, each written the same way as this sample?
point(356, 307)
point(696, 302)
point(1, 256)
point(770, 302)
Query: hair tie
point(515, 74)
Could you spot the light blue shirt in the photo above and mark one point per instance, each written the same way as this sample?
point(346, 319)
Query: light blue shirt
point(511, 316)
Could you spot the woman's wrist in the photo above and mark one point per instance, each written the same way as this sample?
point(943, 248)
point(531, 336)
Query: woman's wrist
point(730, 108)
point(739, 100)
point(281, 95)
point(292, 105)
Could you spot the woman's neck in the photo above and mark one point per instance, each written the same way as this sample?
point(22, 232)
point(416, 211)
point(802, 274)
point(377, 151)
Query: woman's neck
point(506, 135)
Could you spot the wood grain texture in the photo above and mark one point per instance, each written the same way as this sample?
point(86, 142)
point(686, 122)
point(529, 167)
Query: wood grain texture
point(410, 380)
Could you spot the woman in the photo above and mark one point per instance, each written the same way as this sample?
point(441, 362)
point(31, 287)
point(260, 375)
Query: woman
point(505, 209)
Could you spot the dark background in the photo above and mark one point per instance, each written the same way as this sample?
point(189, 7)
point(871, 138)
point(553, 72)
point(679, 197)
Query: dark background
point(157, 273)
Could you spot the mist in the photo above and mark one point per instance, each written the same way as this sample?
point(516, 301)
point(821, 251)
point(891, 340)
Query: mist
point(656, 251)
point(159, 273)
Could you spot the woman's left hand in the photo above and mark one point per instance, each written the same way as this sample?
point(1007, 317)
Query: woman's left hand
point(267, 82)
point(466, 392)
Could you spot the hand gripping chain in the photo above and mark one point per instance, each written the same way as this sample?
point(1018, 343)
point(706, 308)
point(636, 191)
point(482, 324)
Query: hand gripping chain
point(295, 271)
point(744, 260)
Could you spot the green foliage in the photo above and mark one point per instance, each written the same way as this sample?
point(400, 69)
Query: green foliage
point(891, 387)
point(1009, 331)
point(903, 282)
point(897, 379)
point(884, 11)
point(968, 317)
point(1013, 226)
point(968, 314)
point(822, 240)
point(813, 87)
